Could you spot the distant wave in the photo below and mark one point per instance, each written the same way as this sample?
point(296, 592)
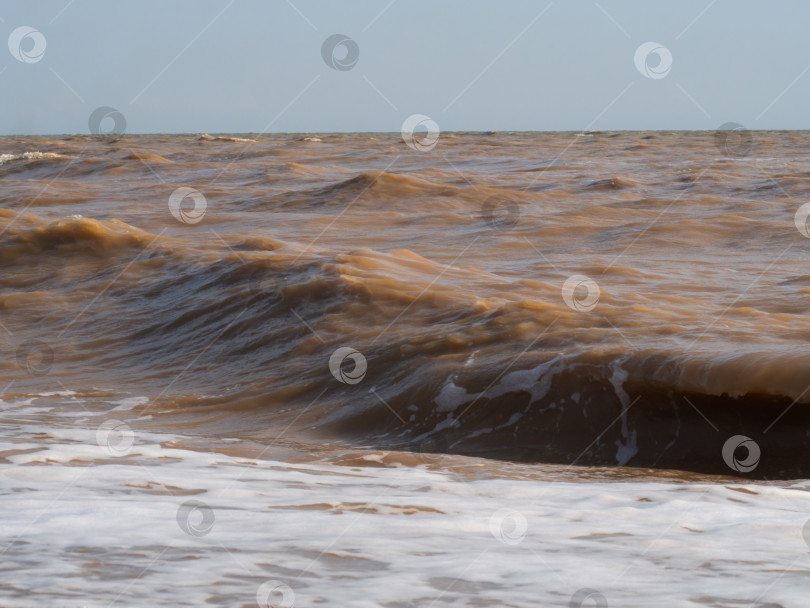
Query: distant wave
point(35, 155)
point(206, 137)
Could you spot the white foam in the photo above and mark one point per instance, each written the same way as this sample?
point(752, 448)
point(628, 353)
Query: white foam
point(83, 528)
point(128, 403)
point(207, 137)
point(629, 448)
point(4, 158)
point(450, 397)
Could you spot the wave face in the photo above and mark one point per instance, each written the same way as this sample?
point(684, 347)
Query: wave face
point(614, 299)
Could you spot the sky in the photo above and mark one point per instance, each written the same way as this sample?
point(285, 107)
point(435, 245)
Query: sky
point(254, 66)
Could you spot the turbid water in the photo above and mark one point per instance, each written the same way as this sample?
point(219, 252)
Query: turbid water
point(497, 371)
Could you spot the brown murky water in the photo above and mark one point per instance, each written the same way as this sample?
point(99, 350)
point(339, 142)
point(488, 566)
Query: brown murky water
point(625, 299)
point(512, 370)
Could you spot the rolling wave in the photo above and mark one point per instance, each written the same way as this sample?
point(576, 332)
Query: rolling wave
point(442, 289)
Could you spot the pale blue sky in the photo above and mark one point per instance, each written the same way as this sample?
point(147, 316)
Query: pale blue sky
point(255, 65)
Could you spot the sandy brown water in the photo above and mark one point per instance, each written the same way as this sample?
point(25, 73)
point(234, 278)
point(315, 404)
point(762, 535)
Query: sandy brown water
point(517, 369)
point(447, 273)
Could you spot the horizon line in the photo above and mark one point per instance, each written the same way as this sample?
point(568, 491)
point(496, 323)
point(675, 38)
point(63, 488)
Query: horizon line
point(395, 133)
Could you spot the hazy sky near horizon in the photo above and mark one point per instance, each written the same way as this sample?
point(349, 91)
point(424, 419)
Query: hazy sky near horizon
point(256, 65)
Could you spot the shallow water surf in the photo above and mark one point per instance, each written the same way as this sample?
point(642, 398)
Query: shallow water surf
point(506, 310)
